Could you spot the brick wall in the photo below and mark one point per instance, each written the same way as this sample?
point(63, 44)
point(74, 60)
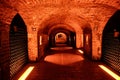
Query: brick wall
point(4, 54)
point(74, 13)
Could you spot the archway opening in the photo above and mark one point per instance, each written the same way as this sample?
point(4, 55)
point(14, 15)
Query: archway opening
point(60, 38)
point(111, 42)
point(18, 45)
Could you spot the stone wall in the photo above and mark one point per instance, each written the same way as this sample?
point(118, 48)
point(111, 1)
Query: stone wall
point(76, 14)
point(4, 52)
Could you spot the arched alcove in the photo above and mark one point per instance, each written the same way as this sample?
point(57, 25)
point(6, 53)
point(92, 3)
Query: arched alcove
point(72, 25)
point(18, 45)
point(69, 37)
point(60, 38)
point(111, 42)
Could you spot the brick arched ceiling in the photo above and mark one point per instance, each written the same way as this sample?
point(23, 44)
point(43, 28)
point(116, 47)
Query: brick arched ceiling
point(35, 3)
point(71, 22)
point(58, 30)
point(34, 12)
point(61, 26)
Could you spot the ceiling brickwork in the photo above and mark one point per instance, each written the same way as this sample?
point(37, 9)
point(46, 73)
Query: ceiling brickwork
point(33, 3)
point(34, 12)
point(40, 15)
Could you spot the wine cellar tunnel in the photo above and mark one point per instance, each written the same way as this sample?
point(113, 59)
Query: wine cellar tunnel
point(59, 33)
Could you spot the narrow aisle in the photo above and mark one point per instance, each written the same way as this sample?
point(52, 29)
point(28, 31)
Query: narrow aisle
point(66, 64)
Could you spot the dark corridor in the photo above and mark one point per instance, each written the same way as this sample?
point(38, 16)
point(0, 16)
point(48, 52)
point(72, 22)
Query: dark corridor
point(59, 40)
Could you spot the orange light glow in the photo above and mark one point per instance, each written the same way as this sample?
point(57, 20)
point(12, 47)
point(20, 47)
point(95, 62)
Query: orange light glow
point(26, 73)
point(80, 51)
point(115, 76)
point(40, 40)
point(63, 58)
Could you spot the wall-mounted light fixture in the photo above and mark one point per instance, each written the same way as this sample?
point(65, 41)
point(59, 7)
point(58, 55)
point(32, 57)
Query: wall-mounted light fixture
point(96, 28)
point(116, 33)
point(33, 28)
point(40, 41)
point(15, 28)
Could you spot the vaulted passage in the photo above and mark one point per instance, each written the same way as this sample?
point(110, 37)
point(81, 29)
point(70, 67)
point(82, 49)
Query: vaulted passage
point(59, 40)
point(61, 37)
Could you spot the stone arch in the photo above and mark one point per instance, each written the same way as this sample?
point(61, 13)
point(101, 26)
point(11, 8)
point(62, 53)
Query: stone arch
point(18, 44)
point(74, 21)
point(60, 38)
point(58, 30)
point(111, 36)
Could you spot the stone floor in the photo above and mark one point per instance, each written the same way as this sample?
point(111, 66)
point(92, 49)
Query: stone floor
point(66, 64)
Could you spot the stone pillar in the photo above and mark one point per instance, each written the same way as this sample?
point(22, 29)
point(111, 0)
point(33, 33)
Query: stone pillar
point(32, 46)
point(96, 46)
